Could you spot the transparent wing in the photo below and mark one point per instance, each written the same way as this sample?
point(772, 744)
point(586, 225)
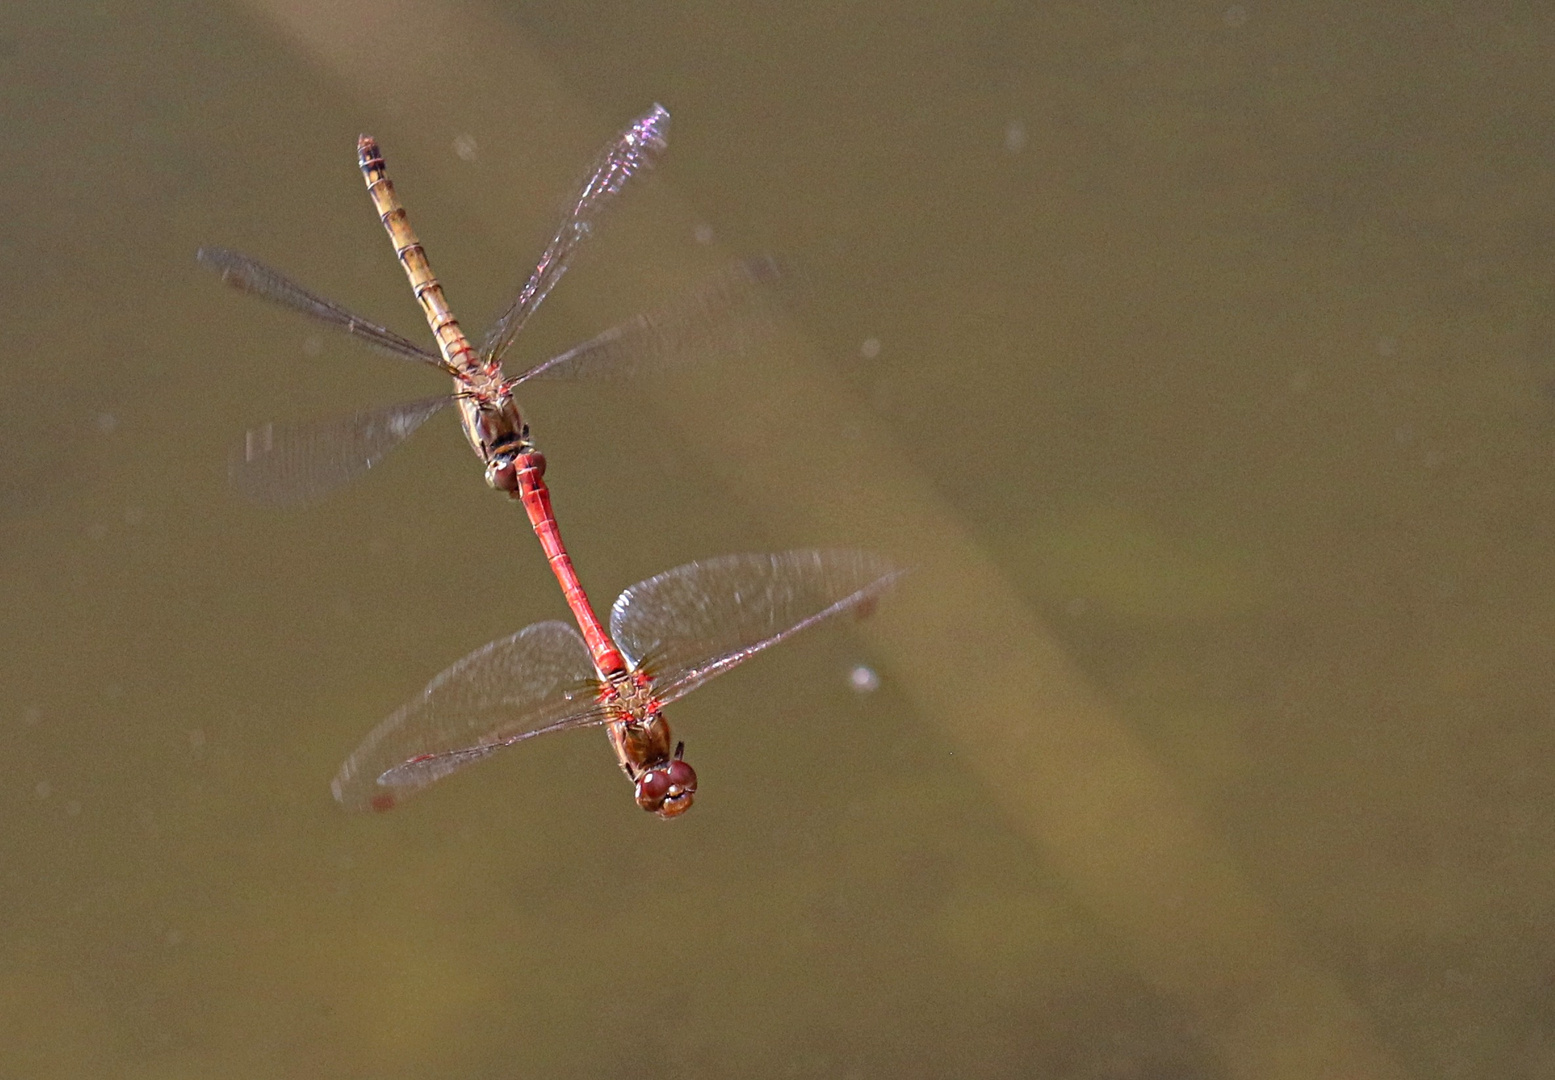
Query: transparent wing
point(532, 682)
point(251, 276)
point(726, 314)
point(301, 463)
point(633, 150)
point(699, 620)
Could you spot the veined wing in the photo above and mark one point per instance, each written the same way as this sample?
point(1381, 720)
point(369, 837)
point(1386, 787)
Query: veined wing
point(251, 276)
point(724, 314)
point(529, 683)
point(635, 149)
point(301, 463)
point(701, 619)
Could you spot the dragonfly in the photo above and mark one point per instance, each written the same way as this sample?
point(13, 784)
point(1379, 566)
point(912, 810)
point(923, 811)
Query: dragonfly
point(677, 630)
point(281, 464)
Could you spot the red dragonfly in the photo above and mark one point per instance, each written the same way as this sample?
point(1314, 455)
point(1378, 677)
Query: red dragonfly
point(281, 464)
point(676, 631)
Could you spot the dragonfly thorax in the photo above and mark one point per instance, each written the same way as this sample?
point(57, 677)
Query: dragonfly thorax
point(641, 738)
point(497, 433)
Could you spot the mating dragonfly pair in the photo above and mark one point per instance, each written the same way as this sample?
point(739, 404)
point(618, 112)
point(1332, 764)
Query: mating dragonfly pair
point(667, 636)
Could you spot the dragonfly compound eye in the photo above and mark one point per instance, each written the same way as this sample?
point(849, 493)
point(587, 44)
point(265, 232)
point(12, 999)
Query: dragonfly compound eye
point(503, 475)
point(667, 790)
point(652, 786)
point(681, 776)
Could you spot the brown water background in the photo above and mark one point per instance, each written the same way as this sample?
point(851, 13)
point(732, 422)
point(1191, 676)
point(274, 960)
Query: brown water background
point(1201, 358)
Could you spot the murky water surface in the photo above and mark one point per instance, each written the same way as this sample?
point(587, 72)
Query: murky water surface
point(1226, 332)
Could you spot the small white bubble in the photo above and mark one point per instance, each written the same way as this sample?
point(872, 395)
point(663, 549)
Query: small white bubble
point(1387, 346)
point(312, 345)
point(703, 234)
point(1015, 136)
point(43, 789)
point(464, 146)
point(870, 348)
point(107, 422)
point(863, 680)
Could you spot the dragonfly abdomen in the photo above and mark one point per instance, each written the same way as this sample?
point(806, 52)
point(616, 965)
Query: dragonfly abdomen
point(451, 341)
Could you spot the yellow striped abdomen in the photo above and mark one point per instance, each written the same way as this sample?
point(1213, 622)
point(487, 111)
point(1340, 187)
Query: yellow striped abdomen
point(451, 341)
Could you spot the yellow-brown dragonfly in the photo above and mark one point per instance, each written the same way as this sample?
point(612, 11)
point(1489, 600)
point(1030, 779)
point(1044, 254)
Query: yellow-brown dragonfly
point(301, 463)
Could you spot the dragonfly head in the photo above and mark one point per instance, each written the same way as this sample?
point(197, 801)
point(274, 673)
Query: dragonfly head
point(668, 788)
point(504, 467)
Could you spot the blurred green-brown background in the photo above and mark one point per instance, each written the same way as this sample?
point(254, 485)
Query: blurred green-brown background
point(1200, 358)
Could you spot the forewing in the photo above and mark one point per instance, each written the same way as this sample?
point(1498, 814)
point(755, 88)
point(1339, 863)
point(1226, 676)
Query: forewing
point(699, 620)
point(508, 690)
point(635, 149)
point(724, 315)
point(285, 464)
point(251, 276)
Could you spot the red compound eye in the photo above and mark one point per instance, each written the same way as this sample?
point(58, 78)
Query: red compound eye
point(502, 475)
point(667, 790)
point(682, 776)
point(652, 786)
